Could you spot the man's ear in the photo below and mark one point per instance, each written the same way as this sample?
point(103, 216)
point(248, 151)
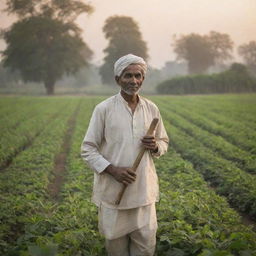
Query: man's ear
point(117, 79)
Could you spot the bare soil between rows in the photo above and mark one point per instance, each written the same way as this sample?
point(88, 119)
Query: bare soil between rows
point(60, 162)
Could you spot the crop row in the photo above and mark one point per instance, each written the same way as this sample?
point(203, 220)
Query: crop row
point(11, 105)
point(237, 137)
point(235, 108)
point(24, 184)
point(238, 186)
point(76, 194)
point(192, 219)
point(74, 224)
point(76, 231)
point(218, 115)
point(18, 138)
point(70, 223)
point(28, 110)
point(218, 144)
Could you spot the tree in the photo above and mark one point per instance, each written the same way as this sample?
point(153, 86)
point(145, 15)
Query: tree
point(196, 50)
point(239, 68)
point(248, 52)
point(7, 77)
point(45, 43)
point(221, 45)
point(201, 52)
point(124, 38)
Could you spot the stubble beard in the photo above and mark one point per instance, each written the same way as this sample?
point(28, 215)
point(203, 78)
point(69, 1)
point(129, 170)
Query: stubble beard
point(130, 91)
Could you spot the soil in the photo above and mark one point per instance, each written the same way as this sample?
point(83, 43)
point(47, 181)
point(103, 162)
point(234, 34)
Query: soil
point(59, 171)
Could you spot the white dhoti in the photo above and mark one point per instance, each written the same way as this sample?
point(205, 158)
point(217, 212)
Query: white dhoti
point(129, 232)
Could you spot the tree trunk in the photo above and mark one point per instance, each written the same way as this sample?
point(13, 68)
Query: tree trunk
point(49, 86)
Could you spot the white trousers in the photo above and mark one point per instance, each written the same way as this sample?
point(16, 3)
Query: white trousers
point(130, 232)
point(140, 242)
point(114, 223)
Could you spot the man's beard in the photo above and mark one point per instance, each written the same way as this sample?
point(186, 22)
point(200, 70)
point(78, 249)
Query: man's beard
point(131, 92)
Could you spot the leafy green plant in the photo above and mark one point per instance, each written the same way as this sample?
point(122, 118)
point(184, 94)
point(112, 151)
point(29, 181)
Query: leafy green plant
point(192, 218)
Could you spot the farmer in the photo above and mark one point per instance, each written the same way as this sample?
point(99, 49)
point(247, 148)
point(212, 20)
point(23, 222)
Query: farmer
point(114, 137)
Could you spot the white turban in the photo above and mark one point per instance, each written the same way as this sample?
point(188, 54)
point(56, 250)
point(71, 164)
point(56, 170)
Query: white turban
point(127, 60)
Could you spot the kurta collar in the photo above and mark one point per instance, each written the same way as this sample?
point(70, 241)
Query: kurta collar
point(120, 97)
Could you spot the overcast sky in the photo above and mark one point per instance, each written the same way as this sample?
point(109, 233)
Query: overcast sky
point(159, 20)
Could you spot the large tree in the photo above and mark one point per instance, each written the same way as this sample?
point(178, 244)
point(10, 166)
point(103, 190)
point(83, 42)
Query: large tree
point(203, 51)
point(124, 37)
point(248, 52)
point(45, 42)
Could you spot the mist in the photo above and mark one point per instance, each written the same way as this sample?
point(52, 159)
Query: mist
point(158, 24)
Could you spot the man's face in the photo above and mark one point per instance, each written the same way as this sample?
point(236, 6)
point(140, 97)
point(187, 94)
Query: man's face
point(131, 79)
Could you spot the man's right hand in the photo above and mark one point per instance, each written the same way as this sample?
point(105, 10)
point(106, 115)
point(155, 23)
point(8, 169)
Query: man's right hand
point(121, 174)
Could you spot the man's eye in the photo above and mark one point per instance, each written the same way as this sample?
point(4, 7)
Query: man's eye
point(138, 76)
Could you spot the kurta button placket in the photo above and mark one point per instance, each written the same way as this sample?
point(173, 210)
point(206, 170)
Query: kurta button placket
point(134, 126)
point(136, 121)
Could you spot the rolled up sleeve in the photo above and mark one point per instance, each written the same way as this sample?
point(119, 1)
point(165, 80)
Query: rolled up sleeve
point(162, 139)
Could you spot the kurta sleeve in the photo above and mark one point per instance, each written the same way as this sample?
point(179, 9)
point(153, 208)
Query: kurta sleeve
point(93, 140)
point(162, 139)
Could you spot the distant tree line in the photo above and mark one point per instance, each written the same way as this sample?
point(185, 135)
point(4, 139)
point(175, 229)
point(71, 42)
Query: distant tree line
point(45, 46)
point(237, 79)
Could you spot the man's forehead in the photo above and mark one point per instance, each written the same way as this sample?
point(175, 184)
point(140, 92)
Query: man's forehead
point(135, 68)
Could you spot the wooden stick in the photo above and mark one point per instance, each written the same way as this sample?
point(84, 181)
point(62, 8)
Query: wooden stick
point(138, 158)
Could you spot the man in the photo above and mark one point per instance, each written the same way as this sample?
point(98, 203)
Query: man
point(114, 137)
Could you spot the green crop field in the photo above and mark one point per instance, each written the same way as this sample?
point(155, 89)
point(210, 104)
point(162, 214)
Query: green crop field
point(207, 179)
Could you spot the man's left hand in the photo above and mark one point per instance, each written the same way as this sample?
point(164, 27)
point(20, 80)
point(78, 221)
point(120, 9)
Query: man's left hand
point(149, 142)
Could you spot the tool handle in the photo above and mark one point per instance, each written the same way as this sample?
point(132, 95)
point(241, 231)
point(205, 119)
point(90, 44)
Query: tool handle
point(138, 158)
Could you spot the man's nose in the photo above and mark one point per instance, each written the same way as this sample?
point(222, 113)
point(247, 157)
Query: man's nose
point(133, 79)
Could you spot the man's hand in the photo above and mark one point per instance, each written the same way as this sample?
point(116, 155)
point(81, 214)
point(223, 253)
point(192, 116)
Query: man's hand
point(121, 174)
point(149, 142)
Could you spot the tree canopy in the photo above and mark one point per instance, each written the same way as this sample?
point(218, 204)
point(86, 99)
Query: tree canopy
point(124, 37)
point(248, 52)
point(203, 51)
point(45, 43)
point(64, 10)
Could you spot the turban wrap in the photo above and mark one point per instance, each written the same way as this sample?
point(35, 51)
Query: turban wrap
point(127, 60)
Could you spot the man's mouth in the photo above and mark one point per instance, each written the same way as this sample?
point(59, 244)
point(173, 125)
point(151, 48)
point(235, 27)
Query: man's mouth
point(133, 88)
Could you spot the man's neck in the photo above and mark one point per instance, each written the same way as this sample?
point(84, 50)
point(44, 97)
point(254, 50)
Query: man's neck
point(131, 99)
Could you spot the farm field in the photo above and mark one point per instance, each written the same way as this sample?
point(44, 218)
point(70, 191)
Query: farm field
point(207, 179)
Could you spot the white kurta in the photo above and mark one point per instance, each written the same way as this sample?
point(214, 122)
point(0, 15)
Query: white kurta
point(114, 137)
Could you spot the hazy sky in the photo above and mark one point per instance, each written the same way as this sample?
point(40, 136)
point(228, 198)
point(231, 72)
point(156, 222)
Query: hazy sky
point(160, 19)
